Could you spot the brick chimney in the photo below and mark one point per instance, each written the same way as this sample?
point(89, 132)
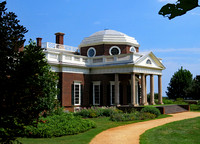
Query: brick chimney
point(59, 38)
point(39, 42)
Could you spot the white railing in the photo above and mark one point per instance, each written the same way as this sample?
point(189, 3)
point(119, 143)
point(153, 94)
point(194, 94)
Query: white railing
point(59, 46)
point(61, 57)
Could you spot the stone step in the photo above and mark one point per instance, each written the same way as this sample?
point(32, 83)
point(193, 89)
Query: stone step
point(174, 109)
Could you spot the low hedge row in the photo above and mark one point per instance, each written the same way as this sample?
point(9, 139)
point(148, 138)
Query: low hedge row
point(132, 116)
point(94, 112)
point(59, 125)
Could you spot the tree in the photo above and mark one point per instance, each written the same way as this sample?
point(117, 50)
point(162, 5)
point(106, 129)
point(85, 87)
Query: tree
point(180, 8)
point(179, 83)
point(28, 87)
point(194, 90)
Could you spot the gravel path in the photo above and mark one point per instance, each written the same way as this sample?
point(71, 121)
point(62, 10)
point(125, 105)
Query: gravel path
point(130, 134)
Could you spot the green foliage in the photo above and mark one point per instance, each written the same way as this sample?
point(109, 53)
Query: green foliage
point(194, 107)
point(94, 112)
point(59, 125)
point(181, 7)
point(28, 87)
point(167, 101)
point(179, 83)
point(132, 116)
point(155, 96)
point(194, 89)
point(151, 110)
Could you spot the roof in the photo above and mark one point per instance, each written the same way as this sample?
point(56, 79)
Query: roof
point(108, 37)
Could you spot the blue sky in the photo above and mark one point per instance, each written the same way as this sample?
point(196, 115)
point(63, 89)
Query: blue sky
point(177, 41)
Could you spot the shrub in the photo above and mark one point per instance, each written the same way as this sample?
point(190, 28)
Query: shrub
point(122, 117)
point(59, 125)
point(194, 107)
point(152, 110)
point(131, 116)
point(94, 112)
point(167, 101)
point(146, 115)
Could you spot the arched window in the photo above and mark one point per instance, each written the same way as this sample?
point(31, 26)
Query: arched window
point(114, 50)
point(91, 52)
point(148, 61)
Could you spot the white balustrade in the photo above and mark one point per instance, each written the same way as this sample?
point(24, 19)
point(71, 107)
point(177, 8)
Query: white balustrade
point(59, 46)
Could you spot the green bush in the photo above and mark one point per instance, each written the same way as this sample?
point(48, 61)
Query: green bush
point(131, 116)
point(167, 101)
point(122, 117)
point(59, 125)
point(194, 107)
point(152, 110)
point(94, 112)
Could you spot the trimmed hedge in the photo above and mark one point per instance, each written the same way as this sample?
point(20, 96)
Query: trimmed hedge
point(132, 116)
point(94, 112)
point(152, 110)
point(59, 125)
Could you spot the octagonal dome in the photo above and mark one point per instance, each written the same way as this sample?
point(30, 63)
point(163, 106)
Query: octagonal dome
point(108, 37)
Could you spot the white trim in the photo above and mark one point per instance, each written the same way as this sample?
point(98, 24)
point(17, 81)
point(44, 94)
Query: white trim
point(79, 93)
point(91, 48)
point(96, 83)
point(132, 47)
point(113, 48)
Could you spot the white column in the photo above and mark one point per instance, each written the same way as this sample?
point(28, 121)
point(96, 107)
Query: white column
point(160, 89)
point(143, 88)
point(151, 90)
point(116, 89)
point(133, 96)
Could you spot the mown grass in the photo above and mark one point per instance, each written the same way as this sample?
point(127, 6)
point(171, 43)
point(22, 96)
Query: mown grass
point(103, 123)
point(179, 132)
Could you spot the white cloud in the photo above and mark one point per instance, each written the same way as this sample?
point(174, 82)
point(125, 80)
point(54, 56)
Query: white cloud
point(184, 50)
point(197, 14)
point(168, 1)
point(97, 23)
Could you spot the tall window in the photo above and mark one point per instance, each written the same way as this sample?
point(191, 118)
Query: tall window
point(77, 93)
point(96, 93)
point(112, 93)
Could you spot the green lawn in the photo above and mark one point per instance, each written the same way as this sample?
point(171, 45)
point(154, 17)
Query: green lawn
point(179, 132)
point(103, 123)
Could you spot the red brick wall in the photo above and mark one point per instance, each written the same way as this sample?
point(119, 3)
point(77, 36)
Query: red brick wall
point(67, 80)
point(103, 49)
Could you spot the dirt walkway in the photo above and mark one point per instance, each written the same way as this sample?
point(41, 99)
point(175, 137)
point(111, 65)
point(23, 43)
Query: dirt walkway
point(130, 134)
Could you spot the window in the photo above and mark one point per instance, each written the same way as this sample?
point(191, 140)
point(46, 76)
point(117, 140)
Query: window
point(91, 52)
point(114, 50)
point(96, 93)
point(148, 61)
point(77, 93)
point(132, 49)
point(112, 93)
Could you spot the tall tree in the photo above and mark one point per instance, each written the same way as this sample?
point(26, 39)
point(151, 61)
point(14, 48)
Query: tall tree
point(194, 90)
point(27, 84)
point(179, 83)
point(179, 8)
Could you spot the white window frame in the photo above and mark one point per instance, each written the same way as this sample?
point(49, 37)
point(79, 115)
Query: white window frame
point(96, 83)
point(134, 49)
point(89, 50)
point(79, 96)
point(112, 83)
point(113, 48)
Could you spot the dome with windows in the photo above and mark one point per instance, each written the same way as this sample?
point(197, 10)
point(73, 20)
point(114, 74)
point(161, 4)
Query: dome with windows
point(108, 37)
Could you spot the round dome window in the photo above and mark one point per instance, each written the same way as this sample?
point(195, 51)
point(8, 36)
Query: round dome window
point(91, 52)
point(114, 50)
point(132, 49)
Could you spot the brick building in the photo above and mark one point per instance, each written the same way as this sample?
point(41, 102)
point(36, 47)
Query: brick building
point(106, 69)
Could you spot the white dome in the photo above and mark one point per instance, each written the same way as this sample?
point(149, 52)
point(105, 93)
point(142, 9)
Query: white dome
point(108, 37)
